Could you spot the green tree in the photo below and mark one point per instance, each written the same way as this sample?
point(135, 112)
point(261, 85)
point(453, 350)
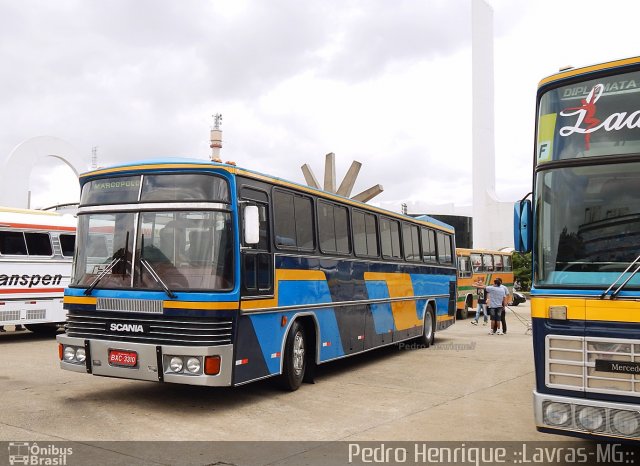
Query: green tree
point(522, 270)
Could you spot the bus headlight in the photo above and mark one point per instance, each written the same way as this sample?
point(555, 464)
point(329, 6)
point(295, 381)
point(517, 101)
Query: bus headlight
point(69, 354)
point(194, 365)
point(590, 418)
point(625, 422)
point(81, 355)
point(557, 414)
point(176, 364)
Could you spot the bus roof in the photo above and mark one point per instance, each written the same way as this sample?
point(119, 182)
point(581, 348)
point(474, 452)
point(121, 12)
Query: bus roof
point(26, 219)
point(588, 69)
point(187, 163)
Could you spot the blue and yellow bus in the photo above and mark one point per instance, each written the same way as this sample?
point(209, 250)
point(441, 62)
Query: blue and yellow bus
point(204, 273)
point(583, 225)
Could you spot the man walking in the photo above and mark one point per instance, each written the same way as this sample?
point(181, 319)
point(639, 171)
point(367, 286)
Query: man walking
point(504, 306)
point(496, 298)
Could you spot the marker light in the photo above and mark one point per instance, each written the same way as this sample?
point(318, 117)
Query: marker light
point(212, 365)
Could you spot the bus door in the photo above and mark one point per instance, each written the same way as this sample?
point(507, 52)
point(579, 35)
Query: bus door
point(256, 259)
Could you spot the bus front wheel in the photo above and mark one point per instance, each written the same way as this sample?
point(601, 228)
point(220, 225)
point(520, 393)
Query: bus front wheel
point(294, 363)
point(466, 310)
point(429, 334)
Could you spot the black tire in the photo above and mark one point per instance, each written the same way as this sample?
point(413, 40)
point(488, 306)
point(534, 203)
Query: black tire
point(43, 329)
point(294, 362)
point(466, 310)
point(429, 328)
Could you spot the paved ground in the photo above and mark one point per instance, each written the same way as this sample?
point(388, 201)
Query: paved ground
point(470, 386)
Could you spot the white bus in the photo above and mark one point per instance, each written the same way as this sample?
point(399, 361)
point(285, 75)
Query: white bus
point(36, 250)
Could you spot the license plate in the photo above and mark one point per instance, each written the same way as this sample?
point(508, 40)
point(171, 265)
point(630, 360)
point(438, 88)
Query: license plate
point(123, 358)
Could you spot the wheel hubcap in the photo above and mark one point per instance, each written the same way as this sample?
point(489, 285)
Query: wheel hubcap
point(298, 353)
point(428, 325)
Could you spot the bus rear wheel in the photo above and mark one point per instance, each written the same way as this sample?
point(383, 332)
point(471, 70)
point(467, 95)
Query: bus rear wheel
point(294, 362)
point(466, 310)
point(429, 334)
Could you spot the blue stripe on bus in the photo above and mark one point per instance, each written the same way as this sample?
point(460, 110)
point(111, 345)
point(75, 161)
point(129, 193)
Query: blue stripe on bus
point(382, 315)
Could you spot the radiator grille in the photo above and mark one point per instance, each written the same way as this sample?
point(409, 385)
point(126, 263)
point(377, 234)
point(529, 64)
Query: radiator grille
point(129, 305)
point(33, 314)
point(9, 315)
point(571, 364)
point(181, 331)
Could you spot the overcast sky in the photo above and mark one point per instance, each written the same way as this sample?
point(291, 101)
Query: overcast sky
point(387, 83)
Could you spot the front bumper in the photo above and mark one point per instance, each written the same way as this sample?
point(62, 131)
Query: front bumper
point(152, 364)
point(607, 409)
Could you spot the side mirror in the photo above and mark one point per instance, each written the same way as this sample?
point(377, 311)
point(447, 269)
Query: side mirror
point(522, 231)
point(251, 225)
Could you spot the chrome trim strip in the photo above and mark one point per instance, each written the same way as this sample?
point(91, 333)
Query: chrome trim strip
point(339, 304)
point(371, 260)
point(154, 206)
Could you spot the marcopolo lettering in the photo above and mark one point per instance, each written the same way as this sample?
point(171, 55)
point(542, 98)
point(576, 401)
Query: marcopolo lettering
point(30, 281)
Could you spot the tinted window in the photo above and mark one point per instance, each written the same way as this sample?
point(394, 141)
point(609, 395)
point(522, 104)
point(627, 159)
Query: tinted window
point(428, 245)
point(111, 191)
point(444, 248)
point(390, 238)
point(38, 244)
point(12, 243)
point(68, 243)
point(410, 242)
point(333, 228)
point(184, 187)
point(293, 221)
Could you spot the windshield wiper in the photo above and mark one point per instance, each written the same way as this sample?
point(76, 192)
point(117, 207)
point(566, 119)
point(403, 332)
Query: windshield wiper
point(157, 278)
point(102, 274)
point(615, 293)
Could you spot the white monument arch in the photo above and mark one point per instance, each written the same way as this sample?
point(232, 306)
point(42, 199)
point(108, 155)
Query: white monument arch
point(17, 166)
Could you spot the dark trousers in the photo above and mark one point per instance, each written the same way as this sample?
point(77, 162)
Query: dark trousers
point(504, 320)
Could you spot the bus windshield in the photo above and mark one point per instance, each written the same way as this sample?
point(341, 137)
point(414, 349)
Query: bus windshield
point(188, 250)
point(588, 228)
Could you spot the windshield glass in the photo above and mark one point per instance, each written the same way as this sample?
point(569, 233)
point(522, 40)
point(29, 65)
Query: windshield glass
point(588, 225)
point(189, 250)
point(102, 239)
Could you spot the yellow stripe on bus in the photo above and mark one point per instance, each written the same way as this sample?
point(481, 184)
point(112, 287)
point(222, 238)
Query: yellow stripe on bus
point(399, 286)
point(233, 305)
point(618, 310)
point(79, 300)
point(287, 275)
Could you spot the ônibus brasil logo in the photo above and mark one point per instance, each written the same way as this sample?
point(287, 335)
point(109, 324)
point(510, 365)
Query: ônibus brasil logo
point(587, 123)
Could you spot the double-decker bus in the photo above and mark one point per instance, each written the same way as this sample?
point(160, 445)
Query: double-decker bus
point(204, 273)
point(36, 250)
point(583, 225)
point(484, 265)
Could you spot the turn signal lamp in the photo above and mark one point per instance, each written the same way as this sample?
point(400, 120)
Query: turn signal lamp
point(212, 365)
point(60, 351)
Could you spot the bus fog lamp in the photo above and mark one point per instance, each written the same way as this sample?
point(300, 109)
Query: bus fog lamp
point(194, 365)
point(590, 418)
point(557, 414)
point(81, 355)
point(176, 364)
point(625, 422)
point(69, 354)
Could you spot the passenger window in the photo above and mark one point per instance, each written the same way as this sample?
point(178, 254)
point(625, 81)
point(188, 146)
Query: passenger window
point(68, 244)
point(12, 243)
point(38, 244)
point(428, 245)
point(487, 262)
